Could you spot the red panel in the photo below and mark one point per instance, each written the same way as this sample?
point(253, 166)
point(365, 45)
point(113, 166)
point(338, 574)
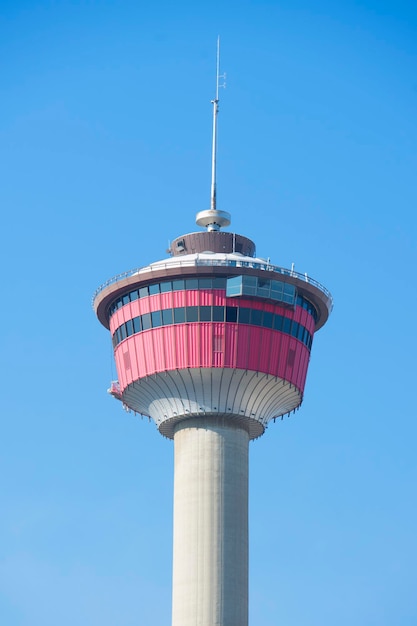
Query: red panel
point(149, 352)
point(192, 298)
point(230, 345)
point(206, 344)
point(181, 345)
point(193, 339)
point(169, 347)
point(265, 347)
point(166, 300)
point(159, 348)
point(206, 298)
point(243, 346)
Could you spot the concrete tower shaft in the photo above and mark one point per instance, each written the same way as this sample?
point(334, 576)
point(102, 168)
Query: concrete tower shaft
point(210, 567)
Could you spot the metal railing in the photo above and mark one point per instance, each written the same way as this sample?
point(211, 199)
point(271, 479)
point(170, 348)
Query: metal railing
point(196, 261)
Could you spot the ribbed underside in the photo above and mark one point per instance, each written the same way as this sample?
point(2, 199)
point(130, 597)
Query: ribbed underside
point(249, 398)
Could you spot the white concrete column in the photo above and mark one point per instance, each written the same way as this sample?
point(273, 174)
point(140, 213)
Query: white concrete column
point(210, 569)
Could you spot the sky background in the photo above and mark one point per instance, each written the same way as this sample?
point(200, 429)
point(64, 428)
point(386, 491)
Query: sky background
point(105, 139)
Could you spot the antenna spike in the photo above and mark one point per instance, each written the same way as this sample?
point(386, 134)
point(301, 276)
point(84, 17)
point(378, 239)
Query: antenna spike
point(214, 219)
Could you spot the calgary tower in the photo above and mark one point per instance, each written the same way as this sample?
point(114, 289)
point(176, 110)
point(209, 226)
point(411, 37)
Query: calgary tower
point(212, 343)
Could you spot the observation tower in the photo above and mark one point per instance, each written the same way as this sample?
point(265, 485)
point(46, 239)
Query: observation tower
point(212, 343)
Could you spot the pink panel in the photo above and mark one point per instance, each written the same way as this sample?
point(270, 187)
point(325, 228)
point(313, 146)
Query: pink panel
point(140, 355)
point(193, 339)
point(243, 346)
point(265, 347)
point(149, 351)
point(219, 297)
point(159, 349)
point(192, 298)
point(178, 299)
point(133, 358)
point(144, 306)
point(218, 344)
point(230, 345)
point(206, 344)
point(169, 347)
point(206, 298)
point(180, 346)
point(166, 300)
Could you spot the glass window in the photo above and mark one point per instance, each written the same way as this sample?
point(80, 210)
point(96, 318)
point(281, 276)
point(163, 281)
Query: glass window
point(286, 326)
point(218, 314)
point(205, 313)
point(143, 292)
point(205, 283)
point(126, 299)
point(268, 318)
point(244, 315)
point(178, 285)
point(300, 333)
point(137, 326)
point(219, 283)
point(153, 289)
point(166, 317)
point(278, 320)
point(122, 330)
point(294, 329)
point(234, 286)
point(256, 317)
point(146, 321)
point(166, 286)
point(179, 315)
point(264, 288)
point(156, 318)
point(192, 313)
point(231, 314)
point(191, 283)
point(134, 295)
point(129, 328)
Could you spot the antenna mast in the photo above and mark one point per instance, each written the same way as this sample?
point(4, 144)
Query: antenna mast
point(215, 104)
point(214, 219)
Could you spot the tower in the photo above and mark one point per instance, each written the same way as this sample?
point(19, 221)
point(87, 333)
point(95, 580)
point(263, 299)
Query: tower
point(212, 343)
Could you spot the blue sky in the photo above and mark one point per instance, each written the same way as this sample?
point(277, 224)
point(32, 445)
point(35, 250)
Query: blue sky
point(105, 135)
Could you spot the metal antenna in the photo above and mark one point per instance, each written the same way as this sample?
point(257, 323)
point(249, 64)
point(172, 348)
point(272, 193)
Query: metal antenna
point(215, 104)
point(214, 219)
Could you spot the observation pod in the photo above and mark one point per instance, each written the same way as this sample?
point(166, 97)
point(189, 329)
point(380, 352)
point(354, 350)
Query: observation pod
point(212, 331)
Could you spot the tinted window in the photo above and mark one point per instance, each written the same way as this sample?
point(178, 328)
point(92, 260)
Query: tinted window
point(191, 283)
point(192, 313)
point(205, 283)
point(166, 286)
point(267, 321)
point(205, 313)
point(153, 289)
point(179, 315)
point(156, 318)
point(129, 328)
point(256, 317)
point(137, 326)
point(126, 299)
point(231, 314)
point(218, 314)
point(167, 317)
point(178, 285)
point(244, 315)
point(146, 321)
point(219, 283)
point(143, 292)
point(278, 319)
point(286, 326)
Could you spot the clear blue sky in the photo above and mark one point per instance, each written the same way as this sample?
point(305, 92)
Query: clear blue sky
point(105, 133)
